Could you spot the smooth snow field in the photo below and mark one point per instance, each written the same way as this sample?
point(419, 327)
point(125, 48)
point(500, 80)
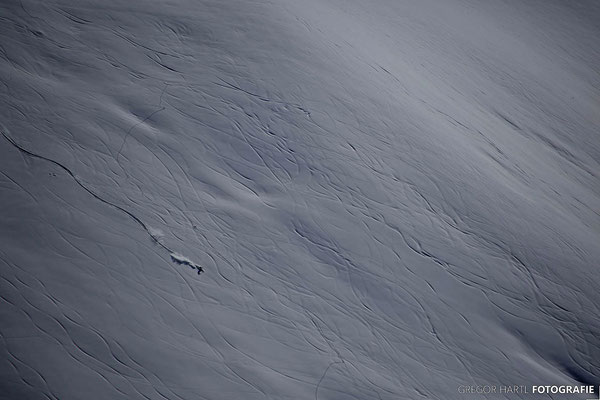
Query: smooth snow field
point(285, 199)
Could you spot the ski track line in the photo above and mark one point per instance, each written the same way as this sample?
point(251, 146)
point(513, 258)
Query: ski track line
point(172, 254)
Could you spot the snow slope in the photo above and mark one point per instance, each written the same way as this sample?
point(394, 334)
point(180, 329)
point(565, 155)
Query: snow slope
point(389, 199)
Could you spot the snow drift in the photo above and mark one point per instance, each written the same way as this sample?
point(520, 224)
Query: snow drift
point(389, 199)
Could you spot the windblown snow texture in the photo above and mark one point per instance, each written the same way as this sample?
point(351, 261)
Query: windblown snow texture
point(389, 198)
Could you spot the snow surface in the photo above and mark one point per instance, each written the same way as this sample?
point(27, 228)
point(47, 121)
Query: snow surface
point(389, 198)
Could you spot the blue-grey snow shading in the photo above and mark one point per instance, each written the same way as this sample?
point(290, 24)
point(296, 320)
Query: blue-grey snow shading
point(389, 198)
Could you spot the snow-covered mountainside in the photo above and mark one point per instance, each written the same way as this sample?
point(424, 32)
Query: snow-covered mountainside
point(389, 199)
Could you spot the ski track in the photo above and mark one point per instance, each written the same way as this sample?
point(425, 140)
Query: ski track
point(389, 199)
